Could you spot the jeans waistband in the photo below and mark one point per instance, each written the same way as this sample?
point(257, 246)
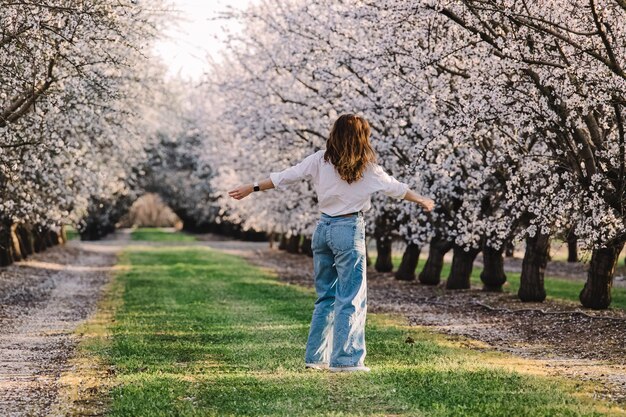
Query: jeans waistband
point(354, 215)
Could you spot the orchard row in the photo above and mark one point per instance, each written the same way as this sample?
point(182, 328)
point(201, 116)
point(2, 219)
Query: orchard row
point(509, 113)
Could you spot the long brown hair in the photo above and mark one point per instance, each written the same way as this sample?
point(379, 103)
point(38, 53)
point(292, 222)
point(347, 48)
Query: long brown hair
point(348, 147)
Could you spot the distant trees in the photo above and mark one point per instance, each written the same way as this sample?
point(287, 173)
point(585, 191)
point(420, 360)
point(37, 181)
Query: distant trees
point(74, 79)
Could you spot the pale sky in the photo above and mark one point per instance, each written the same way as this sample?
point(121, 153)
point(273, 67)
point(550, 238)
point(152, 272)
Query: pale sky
point(195, 37)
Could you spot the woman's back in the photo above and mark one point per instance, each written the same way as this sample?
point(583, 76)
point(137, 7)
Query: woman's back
point(335, 195)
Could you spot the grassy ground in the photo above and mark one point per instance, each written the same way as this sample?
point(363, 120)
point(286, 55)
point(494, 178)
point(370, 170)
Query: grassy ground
point(156, 234)
point(557, 288)
point(199, 333)
point(71, 233)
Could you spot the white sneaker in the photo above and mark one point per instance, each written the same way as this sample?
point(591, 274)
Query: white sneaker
point(349, 368)
point(316, 365)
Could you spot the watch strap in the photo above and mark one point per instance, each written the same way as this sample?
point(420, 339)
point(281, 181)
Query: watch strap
point(256, 187)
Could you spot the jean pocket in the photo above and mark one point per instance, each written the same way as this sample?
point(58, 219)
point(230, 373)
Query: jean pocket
point(347, 236)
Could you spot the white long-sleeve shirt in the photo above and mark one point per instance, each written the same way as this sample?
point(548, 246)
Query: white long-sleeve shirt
point(335, 196)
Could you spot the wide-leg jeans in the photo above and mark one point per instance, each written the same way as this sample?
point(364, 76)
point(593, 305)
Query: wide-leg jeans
point(337, 334)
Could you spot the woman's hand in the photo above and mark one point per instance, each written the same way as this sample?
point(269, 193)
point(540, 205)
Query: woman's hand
point(427, 204)
point(241, 191)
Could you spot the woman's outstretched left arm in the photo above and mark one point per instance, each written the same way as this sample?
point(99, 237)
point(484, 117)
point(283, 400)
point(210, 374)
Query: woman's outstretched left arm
point(426, 203)
point(245, 189)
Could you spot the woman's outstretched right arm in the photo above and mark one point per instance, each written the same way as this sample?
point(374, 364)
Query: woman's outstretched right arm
point(280, 180)
point(245, 189)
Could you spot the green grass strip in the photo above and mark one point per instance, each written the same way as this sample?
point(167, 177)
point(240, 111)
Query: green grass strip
point(71, 233)
point(201, 333)
point(156, 234)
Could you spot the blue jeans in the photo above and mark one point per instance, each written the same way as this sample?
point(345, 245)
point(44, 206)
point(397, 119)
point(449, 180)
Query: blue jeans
point(337, 335)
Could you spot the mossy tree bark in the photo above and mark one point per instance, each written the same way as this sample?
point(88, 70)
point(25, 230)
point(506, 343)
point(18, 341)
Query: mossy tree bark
point(63, 235)
point(596, 293)
point(461, 270)
point(15, 241)
point(431, 273)
point(493, 276)
point(25, 235)
point(410, 258)
point(533, 268)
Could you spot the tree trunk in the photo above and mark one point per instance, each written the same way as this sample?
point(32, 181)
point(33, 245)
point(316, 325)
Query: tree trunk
point(45, 235)
point(509, 250)
point(596, 293)
point(493, 276)
point(306, 246)
point(282, 244)
point(572, 247)
point(27, 243)
point(15, 241)
point(253, 235)
point(461, 270)
point(383, 233)
point(384, 262)
point(232, 230)
point(53, 238)
point(533, 268)
point(293, 244)
point(431, 273)
point(40, 239)
point(62, 235)
point(368, 259)
point(6, 244)
point(410, 258)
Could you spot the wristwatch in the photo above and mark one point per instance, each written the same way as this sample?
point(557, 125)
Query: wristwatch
point(256, 186)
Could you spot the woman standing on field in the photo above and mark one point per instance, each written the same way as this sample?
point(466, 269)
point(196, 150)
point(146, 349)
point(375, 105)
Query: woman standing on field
point(345, 175)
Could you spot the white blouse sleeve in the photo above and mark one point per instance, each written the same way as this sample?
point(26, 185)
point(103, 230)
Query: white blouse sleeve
point(388, 184)
point(307, 168)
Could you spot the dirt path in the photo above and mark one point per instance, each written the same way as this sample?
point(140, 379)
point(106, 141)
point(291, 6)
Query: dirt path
point(42, 301)
point(552, 338)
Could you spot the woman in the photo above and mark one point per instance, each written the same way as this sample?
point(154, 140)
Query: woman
point(345, 175)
